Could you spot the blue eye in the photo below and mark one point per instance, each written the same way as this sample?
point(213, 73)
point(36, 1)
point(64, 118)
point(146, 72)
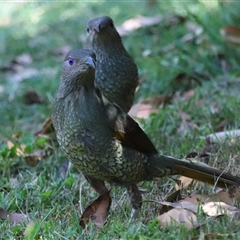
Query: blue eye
point(70, 61)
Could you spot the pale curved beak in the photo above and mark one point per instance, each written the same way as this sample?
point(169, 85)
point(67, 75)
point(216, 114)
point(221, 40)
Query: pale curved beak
point(97, 28)
point(91, 62)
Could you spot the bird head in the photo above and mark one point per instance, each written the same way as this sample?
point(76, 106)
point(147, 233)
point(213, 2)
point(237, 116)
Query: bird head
point(78, 66)
point(101, 30)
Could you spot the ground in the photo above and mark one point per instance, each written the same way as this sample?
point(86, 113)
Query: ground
point(186, 55)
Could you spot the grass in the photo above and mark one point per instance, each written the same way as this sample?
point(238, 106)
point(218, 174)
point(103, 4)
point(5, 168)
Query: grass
point(38, 29)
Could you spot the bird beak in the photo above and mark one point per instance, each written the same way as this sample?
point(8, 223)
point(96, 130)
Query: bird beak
point(97, 28)
point(91, 63)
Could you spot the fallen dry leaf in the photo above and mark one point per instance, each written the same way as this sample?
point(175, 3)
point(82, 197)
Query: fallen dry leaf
point(183, 182)
point(18, 68)
point(177, 217)
point(221, 196)
point(47, 128)
point(200, 198)
point(23, 73)
point(31, 97)
point(220, 126)
point(183, 211)
point(147, 106)
point(23, 59)
point(182, 205)
point(220, 137)
point(219, 208)
point(135, 23)
point(172, 197)
point(229, 198)
point(32, 160)
point(158, 100)
point(188, 94)
point(17, 63)
point(231, 34)
point(13, 217)
point(141, 110)
point(97, 211)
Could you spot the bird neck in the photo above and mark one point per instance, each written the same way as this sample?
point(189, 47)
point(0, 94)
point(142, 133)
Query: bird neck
point(76, 85)
point(100, 42)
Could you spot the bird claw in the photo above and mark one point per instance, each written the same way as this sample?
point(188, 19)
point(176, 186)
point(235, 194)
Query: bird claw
point(134, 214)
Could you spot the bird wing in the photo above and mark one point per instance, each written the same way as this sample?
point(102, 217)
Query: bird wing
point(126, 130)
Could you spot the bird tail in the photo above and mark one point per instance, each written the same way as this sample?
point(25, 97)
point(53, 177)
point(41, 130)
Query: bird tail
point(164, 165)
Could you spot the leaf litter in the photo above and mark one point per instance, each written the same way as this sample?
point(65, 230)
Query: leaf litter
point(183, 211)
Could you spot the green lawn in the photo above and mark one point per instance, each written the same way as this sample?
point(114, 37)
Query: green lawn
point(167, 64)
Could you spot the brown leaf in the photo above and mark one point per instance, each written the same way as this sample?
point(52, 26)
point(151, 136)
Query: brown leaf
point(222, 196)
point(141, 21)
point(188, 94)
point(177, 217)
point(23, 59)
point(147, 106)
point(31, 97)
point(231, 34)
point(32, 160)
point(18, 63)
point(97, 211)
point(229, 198)
point(221, 125)
point(219, 208)
point(138, 22)
point(142, 110)
point(47, 128)
point(158, 100)
point(182, 204)
point(23, 73)
point(184, 182)
point(13, 217)
point(172, 197)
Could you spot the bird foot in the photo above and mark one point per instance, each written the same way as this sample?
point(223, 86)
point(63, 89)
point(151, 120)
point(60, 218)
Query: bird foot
point(134, 214)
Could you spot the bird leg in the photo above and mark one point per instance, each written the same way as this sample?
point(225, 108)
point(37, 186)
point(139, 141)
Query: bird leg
point(135, 199)
point(98, 185)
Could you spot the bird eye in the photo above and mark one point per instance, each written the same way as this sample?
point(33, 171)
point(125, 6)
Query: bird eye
point(70, 61)
point(111, 25)
point(88, 30)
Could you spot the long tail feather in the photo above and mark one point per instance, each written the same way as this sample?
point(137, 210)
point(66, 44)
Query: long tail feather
point(193, 169)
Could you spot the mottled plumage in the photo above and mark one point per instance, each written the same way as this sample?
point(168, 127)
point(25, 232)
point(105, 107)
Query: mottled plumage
point(116, 72)
point(105, 143)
